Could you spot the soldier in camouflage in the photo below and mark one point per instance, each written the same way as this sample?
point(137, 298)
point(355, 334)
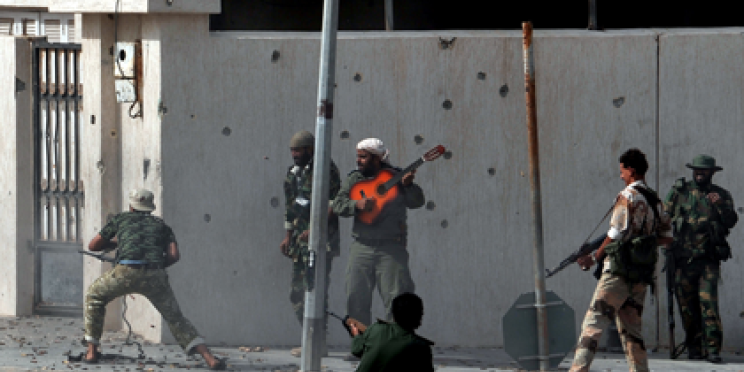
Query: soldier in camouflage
point(702, 214)
point(298, 190)
point(637, 214)
point(146, 246)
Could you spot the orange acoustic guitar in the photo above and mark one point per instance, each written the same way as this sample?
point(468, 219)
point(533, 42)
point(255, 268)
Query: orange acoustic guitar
point(382, 187)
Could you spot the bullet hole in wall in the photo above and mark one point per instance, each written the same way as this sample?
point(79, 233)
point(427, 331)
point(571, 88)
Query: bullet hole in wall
point(113, 133)
point(418, 139)
point(491, 171)
point(146, 167)
point(226, 131)
point(617, 102)
point(275, 56)
point(448, 155)
point(358, 77)
point(92, 120)
point(274, 202)
point(431, 205)
point(447, 104)
point(207, 218)
point(445, 224)
point(504, 90)
point(481, 76)
point(345, 134)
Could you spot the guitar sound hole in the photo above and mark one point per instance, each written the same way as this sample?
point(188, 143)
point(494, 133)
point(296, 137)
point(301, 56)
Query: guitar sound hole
point(381, 190)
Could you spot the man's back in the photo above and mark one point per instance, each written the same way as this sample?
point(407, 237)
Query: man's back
point(141, 236)
point(387, 347)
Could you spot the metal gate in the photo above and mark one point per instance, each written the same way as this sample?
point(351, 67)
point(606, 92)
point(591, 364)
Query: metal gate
point(58, 189)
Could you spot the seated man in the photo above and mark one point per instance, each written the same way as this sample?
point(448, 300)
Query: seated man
point(146, 247)
point(388, 347)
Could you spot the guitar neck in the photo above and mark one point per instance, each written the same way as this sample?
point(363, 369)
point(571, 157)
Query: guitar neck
point(393, 181)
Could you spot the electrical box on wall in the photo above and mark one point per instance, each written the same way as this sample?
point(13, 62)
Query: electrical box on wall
point(128, 71)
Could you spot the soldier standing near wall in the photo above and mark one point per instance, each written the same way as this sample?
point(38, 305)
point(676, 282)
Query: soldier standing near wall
point(629, 255)
point(702, 214)
point(146, 247)
point(298, 190)
point(378, 255)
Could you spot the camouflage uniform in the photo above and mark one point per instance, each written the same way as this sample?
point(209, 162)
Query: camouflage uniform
point(697, 223)
point(615, 299)
point(141, 237)
point(298, 190)
point(378, 255)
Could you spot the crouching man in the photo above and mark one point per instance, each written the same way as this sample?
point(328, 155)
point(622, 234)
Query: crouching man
point(391, 347)
point(146, 247)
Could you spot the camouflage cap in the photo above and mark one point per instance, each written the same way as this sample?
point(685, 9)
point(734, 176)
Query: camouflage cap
point(703, 161)
point(142, 200)
point(302, 139)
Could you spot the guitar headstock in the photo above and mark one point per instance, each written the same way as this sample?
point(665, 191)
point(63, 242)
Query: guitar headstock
point(434, 153)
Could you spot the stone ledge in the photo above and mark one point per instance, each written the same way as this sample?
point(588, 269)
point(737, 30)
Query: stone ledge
point(125, 6)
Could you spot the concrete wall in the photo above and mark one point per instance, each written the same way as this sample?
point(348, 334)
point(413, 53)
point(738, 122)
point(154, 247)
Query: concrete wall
point(471, 254)
point(16, 192)
point(100, 157)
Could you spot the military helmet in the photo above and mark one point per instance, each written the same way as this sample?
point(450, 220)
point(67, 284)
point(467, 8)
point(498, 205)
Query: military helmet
point(302, 139)
point(703, 161)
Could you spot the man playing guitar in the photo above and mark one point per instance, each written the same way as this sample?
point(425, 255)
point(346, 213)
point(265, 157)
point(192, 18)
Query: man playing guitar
point(378, 255)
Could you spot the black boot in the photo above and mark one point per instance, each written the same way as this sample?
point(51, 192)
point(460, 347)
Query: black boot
point(695, 355)
point(713, 357)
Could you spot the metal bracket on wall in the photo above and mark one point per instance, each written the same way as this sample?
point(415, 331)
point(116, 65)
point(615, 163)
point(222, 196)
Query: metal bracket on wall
point(128, 71)
point(20, 85)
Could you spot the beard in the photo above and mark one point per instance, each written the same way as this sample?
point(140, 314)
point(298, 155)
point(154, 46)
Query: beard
point(302, 160)
point(702, 179)
point(367, 171)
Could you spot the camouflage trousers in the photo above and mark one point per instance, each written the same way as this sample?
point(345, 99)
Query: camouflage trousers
point(299, 283)
point(614, 300)
point(151, 283)
point(697, 295)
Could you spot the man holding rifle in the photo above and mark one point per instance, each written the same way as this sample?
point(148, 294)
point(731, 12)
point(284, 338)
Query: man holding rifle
point(394, 346)
point(702, 214)
point(628, 258)
point(146, 247)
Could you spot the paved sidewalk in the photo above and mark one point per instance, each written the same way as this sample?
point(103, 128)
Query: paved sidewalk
point(43, 343)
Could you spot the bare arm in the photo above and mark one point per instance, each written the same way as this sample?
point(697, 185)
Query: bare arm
point(100, 244)
point(172, 255)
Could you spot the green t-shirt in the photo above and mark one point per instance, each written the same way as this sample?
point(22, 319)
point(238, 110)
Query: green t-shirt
point(141, 236)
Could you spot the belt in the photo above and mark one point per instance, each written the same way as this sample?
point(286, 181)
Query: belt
point(137, 264)
point(376, 241)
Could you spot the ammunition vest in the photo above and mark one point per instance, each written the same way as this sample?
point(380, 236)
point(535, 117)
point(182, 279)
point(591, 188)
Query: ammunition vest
point(635, 259)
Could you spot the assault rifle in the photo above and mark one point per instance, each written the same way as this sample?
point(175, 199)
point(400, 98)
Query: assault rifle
point(99, 256)
point(585, 249)
point(670, 268)
point(347, 322)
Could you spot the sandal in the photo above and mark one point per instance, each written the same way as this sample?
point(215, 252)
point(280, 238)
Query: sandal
point(219, 366)
point(95, 360)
